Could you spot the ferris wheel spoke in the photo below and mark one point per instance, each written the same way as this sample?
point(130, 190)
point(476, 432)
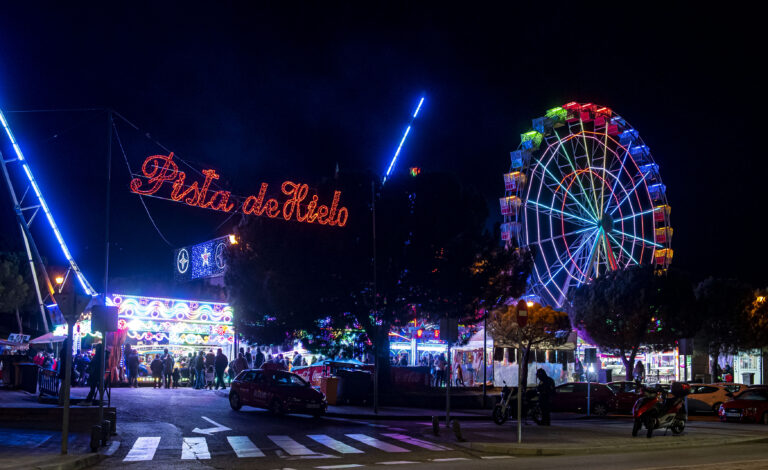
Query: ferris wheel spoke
point(575, 174)
point(586, 212)
point(591, 258)
point(637, 214)
point(566, 214)
point(632, 191)
point(589, 166)
point(618, 178)
point(575, 232)
point(638, 238)
point(622, 248)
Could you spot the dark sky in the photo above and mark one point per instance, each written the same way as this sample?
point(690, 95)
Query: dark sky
point(262, 95)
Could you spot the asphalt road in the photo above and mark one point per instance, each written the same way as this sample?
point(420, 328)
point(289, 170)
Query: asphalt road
point(197, 429)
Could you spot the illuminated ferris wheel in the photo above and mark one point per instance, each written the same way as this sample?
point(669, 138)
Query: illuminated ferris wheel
point(584, 193)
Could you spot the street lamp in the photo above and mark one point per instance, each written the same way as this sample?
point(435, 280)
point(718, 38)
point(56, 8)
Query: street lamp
point(59, 280)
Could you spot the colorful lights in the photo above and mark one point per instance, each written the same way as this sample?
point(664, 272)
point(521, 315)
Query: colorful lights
point(44, 205)
point(402, 141)
point(130, 307)
point(160, 169)
point(415, 171)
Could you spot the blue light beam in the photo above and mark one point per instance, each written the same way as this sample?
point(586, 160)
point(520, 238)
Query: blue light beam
point(402, 141)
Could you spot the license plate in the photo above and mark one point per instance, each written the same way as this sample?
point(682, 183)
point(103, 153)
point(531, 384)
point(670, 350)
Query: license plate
point(733, 415)
point(313, 405)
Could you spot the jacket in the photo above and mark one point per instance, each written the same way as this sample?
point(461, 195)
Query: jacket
point(221, 362)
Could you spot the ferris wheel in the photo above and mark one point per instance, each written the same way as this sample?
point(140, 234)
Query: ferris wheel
point(584, 194)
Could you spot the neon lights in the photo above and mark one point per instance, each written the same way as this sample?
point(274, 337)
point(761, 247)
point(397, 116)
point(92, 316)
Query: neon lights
point(160, 169)
point(44, 205)
point(130, 307)
point(402, 141)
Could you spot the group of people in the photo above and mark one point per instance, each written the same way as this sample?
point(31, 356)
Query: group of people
point(206, 370)
point(164, 372)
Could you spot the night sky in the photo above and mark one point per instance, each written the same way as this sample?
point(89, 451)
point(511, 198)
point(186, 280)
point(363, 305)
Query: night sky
point(265, 95)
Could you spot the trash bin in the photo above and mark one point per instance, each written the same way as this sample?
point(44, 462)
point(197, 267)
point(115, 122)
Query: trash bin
point(330, 387)
point(26, 376)
point(354, 386)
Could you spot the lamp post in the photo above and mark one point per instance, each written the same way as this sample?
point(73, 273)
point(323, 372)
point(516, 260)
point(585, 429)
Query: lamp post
point(375, 274)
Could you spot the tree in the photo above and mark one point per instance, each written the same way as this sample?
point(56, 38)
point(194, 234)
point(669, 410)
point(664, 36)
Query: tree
point(546, 328)
point(14, 289)
point(758, 319)
point(625, 310)
point(724, 307)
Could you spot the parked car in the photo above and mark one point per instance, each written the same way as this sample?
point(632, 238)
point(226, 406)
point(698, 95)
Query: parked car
point(627, 393)
point(279, 391)
point(751, 405)
point(573, 397)
point(709, 397)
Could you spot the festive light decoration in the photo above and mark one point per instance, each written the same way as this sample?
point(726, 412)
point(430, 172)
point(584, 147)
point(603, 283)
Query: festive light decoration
point(402, 141)
point(130, 307)
point(160, 169)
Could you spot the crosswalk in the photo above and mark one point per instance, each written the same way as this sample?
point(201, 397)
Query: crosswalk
point(196, 448)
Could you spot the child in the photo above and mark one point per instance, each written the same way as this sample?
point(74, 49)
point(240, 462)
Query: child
point(209, 377)
point(176, 377)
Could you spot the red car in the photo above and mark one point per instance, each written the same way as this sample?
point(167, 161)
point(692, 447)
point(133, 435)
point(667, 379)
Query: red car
point(749, 405)
point(627, 393)
point(573, 397)
point(277, 390)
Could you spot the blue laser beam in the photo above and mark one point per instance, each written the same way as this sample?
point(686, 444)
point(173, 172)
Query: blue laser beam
point(402, 141)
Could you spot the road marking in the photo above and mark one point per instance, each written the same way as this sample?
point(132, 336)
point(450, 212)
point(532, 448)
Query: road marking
point(416, 442)
point(381, 445)
point(143, 449)
point(209, 431)
point(338, 446)
point(454, 459)
point(194, 448)
point(489, 457)
point(243, 447)
point(349, 465)
point(290, 446)
point(396, 462)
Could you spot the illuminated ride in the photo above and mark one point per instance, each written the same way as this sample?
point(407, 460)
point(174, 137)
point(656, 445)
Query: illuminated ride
point(584, 193)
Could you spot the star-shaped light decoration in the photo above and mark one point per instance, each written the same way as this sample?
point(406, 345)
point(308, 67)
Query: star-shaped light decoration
point(205, 255)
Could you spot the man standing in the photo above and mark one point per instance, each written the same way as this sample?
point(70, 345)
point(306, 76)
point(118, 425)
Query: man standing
point(258, 359)
point(545, 389)
point(168, 363)
point(200, 371)
point(220, 364)
point(132, 363)
point(249, 357)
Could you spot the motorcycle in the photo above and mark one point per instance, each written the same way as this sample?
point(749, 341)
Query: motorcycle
point(656, 409)
point(507, 407)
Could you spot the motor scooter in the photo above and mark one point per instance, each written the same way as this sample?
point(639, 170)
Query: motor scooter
point(507, 407)
point(656, 409)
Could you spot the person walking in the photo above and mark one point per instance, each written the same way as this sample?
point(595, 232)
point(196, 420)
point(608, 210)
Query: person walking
point(94, 369)
point(440, 366)
point(176, 377)
point(191, 360)
point(240, 363)
point(168, 363)
point(200, 371)
point(545, 389)
point(221, 364)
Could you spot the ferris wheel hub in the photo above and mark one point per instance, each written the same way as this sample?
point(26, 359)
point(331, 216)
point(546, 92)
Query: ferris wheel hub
point(606, 223)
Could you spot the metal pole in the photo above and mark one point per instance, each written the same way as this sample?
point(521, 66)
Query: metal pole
point(65, 387)
point(589, 378)
point(448, 384)
point(376, 344)
point(106, 266)
point(519, 396)
point(485, 354)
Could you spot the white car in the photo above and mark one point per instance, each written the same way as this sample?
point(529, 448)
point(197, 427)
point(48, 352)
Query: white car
point(709, 397)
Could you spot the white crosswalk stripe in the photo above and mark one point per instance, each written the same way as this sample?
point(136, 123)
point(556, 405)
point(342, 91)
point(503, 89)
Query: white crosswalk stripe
point(290, 446)
point(195, 448)
point(244, 447)
point(373, 442)
point(338, 446)
point(416, 442)
point(143, 449)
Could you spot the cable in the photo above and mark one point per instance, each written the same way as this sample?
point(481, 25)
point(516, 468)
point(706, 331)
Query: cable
point(146, 209)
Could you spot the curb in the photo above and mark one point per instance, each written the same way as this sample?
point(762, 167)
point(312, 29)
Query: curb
point(70, 463)
point(371, 416)
point(510, 449)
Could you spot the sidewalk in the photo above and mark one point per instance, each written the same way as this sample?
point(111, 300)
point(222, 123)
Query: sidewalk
point(38, 449)
point(578, 437)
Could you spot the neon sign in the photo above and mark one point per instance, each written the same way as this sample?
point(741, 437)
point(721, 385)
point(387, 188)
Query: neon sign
point(159, 169)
